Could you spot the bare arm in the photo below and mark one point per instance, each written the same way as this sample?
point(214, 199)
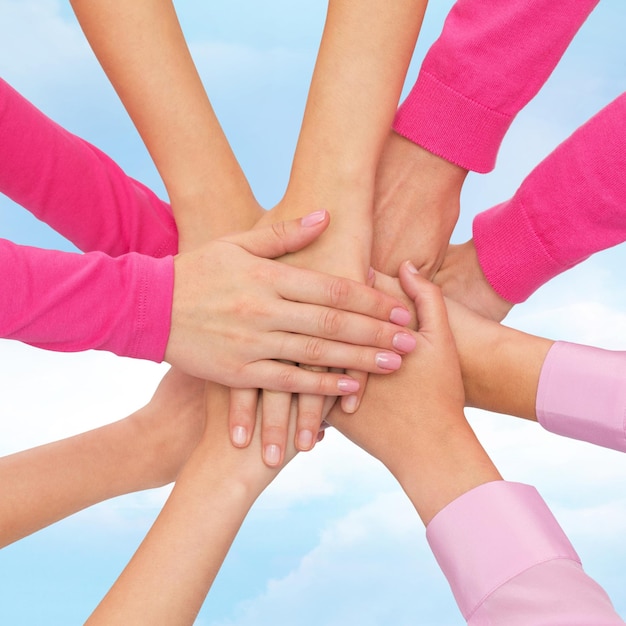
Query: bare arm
point(142, 49)
point(46, 484)
point(170, 574)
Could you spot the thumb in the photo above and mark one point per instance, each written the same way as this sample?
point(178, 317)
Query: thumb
point(429, 303)
point(282, 238)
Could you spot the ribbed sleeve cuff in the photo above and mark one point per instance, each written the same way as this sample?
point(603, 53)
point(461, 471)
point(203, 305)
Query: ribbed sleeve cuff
point(490, 535)
point(582, 394)
point(451, 125)
point(510, 253)
point(154, 288)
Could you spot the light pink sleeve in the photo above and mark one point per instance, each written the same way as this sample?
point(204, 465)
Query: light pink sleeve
point(75, 188)
point(509, 562)
point(572, 205)
point(72, 302)
point(489, 62)
point(582, 394)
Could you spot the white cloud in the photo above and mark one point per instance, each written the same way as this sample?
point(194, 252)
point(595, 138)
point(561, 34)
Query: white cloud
point(370, 567)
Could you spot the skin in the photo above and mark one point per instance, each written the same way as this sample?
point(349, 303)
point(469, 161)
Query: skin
point(259, 310)
point(462, 279)
point(142, 49)
point(416, 207)
point(425, 442)
point(353, 96)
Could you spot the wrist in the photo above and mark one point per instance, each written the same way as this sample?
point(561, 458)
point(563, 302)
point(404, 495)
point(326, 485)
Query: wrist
point(443, 465)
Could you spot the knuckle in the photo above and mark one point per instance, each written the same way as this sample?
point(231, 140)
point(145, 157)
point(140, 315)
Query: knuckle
point(314, 350)
point(330, 322)
point(338, 291)
point(280, 229)
point(288, 379)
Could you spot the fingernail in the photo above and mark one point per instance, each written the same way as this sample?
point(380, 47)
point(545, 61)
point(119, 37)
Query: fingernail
point(240, 436)
point(388, 360)
point(400, 316)
point(371, 274)
point(411, 267)
point(271, 454)
point(404, 342)
point(305, 440)
point(349, 403)
point(312, 219)
point(348, 385)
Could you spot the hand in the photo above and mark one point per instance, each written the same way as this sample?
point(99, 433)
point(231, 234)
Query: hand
point(340, 252)
point(413, 422)
point(416, 206)
point(461, 278)
point(420, 397)
point(169, 427)
point(234, 312)
point(169, 576)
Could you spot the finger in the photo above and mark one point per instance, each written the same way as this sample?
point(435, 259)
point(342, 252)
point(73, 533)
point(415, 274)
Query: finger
point(351, 403)
point(242, 415)
point(328, 323)
point(322, 352)
point(429, 303)
point(282, 238)
point(309, 286)
point(276, 407)
point(310, 416)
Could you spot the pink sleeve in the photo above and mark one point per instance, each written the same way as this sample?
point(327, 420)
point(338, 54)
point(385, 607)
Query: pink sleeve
point(75, 188)
point(71, 302)
point(488, 63)
point(572, 205)
point(582, 394)
point(509, 562)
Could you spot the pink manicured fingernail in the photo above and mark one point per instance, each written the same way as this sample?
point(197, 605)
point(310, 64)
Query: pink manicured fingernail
point(348, 385)
point(349, 404)
point(240, 436)
point(399, 316)
point(388, 360)
point(404, 342)
point(313, 219)
point(411, 267)
point(305, 440)
point(271, 454)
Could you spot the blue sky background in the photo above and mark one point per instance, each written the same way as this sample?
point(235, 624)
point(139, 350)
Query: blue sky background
point(333, 541)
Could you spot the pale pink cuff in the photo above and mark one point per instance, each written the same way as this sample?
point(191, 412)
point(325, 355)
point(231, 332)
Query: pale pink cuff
point(491, 534)
point(582, 394)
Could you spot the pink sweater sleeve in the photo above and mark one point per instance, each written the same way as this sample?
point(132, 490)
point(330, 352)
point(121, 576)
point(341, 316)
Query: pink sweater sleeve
point(582, 394)
point(75, 188)
point(509, 562)
point(72, 302)
point(488, 63)
point(572, 205)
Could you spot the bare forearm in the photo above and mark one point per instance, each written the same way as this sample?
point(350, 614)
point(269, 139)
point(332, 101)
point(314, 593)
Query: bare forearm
point(45, 484)
point(167, 580)
point(501, 366)
point(362, 62)
point(142, 49)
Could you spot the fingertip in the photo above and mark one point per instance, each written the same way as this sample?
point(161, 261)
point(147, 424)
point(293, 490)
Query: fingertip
point(314, 219)
point(350, 404)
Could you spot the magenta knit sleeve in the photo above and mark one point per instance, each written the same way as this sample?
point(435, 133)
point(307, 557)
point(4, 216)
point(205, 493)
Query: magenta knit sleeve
point(489, 62)
point(572, 205)
point(509, 562)
point(75, 188)
point(72, 302)
point(582, 394)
